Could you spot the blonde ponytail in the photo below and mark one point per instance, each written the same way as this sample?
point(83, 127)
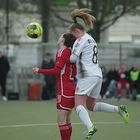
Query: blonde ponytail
point(84, 15)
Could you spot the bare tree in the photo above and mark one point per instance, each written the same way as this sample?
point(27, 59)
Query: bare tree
point(45, 12)
point(107, 12)
point(5, 6)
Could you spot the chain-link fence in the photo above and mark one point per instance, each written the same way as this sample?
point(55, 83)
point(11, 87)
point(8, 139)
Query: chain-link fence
point(25, 56)
point(128, 54)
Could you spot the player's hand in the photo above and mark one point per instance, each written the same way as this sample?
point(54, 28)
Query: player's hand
point(35, 70)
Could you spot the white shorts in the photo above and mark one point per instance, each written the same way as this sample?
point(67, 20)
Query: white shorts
point(89, 86)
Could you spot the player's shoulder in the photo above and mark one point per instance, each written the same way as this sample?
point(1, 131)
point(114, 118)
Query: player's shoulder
point(90, 39)
point(60, 51)
point(63, 52)
point(86, 38)
point(80, 40)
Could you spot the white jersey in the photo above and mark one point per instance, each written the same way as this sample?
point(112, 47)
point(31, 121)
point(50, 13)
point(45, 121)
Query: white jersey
point(86, 50)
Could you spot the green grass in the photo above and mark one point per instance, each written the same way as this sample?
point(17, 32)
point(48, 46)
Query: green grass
point(22, 113)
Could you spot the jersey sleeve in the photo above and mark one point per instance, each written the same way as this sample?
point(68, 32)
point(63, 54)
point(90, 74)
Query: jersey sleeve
point(62, 58)
point(55, 71)
point(73, 58)
point(78, 46)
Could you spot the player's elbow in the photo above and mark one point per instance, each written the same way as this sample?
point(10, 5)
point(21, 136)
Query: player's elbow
point(57, 71)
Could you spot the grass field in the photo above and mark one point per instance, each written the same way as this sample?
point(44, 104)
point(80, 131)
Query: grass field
point(24, 120)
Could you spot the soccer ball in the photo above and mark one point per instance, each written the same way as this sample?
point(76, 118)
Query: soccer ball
point(34, 30)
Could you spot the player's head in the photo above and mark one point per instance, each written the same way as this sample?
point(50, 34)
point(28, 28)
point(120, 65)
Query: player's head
point(69, 39)
point(66, 40)
point(123, 67)
point(78, 29)
point(113, 67)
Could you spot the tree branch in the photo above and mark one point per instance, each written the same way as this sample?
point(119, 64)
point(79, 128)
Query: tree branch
point(81, 4)
point(111, 21)
point(61, 18)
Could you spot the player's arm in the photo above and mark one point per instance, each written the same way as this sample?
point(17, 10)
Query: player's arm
point(58, 65)
point(55, 71)
point(77, 49)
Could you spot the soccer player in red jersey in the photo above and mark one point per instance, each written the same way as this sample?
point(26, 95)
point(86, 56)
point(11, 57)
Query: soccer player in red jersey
point(65, 74)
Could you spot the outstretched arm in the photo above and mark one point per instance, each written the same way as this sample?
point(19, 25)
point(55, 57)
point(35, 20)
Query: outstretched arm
point(55, 71)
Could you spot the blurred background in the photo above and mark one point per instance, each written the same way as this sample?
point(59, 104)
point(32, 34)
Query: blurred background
point(117, 32)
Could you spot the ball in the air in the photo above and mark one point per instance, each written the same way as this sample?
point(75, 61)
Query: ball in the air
point(34, 30)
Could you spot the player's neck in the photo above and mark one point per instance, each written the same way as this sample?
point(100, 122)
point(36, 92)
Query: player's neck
point(81, 34)
point(63, 47)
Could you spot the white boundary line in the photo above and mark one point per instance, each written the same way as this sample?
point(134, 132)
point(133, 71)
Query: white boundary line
point(53, 124)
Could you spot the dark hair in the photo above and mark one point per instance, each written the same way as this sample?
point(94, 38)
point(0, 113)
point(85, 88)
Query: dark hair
point(69, 39)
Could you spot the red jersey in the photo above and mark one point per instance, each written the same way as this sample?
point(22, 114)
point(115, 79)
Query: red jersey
point(65, 74)
point(65, 80)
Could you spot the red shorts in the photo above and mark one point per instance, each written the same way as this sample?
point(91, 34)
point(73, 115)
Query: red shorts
point(64, 103)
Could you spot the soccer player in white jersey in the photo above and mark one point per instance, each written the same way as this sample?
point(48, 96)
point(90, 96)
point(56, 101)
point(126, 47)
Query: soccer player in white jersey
point(89, 75)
